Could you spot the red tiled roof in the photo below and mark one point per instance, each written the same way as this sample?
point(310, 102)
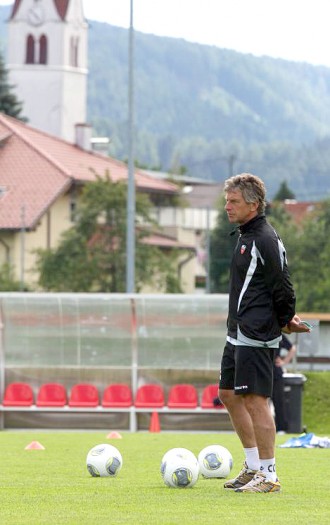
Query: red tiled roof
point(15, 8)
point(150, 238)
point(164, 241)
point(61, 7)
point(35, 168)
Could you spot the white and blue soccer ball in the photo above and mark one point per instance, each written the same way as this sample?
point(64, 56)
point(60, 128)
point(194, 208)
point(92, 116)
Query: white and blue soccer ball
point(215, 461)
point(179, 468)
point(181, 452)
point(104, 461)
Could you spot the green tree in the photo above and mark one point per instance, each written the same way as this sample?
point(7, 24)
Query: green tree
point(7, 280)
point(9, 104)
point(289, 232)
point(308, 254)
point(312, 268)
point(221, 249)
point(284, 192)
point(91, 255)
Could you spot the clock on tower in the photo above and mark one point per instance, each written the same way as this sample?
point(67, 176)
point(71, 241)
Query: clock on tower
point(36, 14)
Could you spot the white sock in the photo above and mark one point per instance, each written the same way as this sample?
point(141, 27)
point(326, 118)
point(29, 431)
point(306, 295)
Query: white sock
point(267, 467)
point(252, 458)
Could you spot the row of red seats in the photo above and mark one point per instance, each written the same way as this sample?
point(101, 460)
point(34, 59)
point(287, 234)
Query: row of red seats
point(115, 396)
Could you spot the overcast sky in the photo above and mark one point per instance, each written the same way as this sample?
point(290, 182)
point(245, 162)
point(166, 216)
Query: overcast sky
point(291, 29)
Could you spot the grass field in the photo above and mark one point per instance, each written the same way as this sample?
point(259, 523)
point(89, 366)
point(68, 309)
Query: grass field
point(53, 487)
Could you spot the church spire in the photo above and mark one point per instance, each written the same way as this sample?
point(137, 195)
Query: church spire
point(47, 62)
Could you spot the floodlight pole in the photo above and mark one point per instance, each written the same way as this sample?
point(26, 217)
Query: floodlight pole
point(130, 234)
point(130, 228)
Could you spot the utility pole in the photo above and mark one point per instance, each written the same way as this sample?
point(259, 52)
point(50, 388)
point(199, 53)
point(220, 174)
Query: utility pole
point(208, 251)
point(231, 160)
point(23, 231)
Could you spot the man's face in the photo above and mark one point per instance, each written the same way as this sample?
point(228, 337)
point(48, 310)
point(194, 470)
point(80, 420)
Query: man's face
point(239, 211)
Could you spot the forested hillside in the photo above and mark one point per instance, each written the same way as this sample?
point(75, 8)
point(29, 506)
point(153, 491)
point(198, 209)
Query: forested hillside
point(211, 110)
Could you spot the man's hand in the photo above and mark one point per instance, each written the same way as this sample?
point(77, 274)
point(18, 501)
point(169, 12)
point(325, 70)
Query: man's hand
point(295, 325)
point(279, 361)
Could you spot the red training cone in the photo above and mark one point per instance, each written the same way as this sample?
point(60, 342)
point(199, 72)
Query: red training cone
point(154, 423)
point(34, 445)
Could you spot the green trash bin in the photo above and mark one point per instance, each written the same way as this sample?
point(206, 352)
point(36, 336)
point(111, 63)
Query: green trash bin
point(293, 391)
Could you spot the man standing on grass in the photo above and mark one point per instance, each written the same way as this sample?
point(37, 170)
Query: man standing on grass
point(261, 307)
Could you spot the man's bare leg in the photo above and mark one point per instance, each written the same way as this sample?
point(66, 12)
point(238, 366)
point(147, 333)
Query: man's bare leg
point(264, 430)
point(240, 417)
point(243, 426)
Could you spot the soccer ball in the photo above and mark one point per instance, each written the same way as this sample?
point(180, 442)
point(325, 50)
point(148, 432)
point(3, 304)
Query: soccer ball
point(181, 452)
point(215, 461)
point(179, 468)
point(104, 460)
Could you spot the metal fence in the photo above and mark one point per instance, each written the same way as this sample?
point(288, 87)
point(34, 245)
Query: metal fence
point(129, 333)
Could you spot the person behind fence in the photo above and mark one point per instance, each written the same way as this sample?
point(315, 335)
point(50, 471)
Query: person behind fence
point(278, 397)
point(261, 306)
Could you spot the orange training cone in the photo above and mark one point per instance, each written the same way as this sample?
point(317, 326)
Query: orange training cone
point(114, 435)
point(34, 445)
point(154, 423)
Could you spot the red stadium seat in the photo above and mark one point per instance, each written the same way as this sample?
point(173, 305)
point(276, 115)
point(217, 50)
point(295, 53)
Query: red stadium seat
point(209, 395)
point(182, 396)
point(117, 395)
point(51, 395)
point(150, 396)
point(18, 394)
point(84, 395)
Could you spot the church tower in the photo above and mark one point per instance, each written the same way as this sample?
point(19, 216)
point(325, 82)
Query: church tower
point(47, 63)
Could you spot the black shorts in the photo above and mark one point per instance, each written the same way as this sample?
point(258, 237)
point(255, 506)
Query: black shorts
point(247, 370)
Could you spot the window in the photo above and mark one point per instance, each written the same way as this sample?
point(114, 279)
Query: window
point(43, 44)
point(74, 46)
point(73, 204)
point(30, 50)
point(36, 51)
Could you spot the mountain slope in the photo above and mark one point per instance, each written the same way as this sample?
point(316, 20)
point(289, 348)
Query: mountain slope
point(212, 110)
point(186, 89)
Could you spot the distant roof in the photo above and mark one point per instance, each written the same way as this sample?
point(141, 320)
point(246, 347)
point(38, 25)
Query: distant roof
point(185, 179)
point(165, 241)
point(299, 210)
point(35, 168)
point(198, 192)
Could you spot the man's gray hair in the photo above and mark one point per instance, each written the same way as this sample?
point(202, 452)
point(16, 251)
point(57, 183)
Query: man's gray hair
point(252, 188)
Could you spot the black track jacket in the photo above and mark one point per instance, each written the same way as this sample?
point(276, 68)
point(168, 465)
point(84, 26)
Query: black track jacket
point(261, 296)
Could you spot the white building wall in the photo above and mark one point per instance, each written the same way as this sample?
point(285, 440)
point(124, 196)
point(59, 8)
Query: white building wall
point(190, 218)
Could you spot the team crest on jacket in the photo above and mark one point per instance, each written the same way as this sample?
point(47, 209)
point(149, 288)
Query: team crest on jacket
point(243, 248)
